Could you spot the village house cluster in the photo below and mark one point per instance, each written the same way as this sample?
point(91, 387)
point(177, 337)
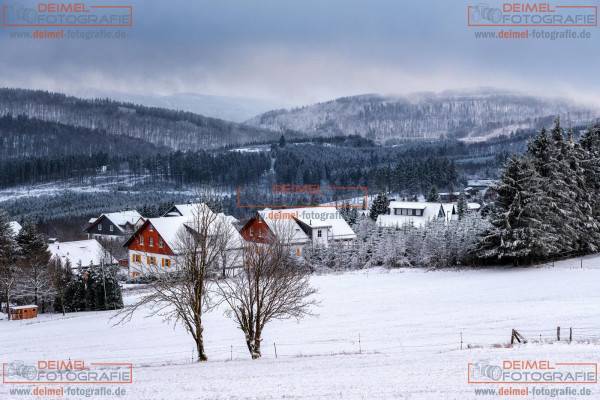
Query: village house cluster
point(151, 245)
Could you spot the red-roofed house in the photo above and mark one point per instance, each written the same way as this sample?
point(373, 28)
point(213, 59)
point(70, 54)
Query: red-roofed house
point(154, 246)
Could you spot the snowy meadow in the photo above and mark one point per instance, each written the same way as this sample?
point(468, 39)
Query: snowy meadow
point(375, 334)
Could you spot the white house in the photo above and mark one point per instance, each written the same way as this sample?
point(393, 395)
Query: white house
point(81, 253)
point(317, 226)
point(416, 213)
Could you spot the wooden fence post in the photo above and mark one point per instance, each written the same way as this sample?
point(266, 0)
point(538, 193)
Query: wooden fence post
point(558, 333)
point(359, 346)
point(275, 347)
point(570, 335)
point(517, 336)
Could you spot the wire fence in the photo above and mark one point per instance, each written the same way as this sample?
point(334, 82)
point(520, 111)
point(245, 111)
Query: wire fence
point(359, 345)
point(415, 342)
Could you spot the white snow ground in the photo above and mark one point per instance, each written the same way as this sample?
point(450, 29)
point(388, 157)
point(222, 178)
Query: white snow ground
point(409, 323)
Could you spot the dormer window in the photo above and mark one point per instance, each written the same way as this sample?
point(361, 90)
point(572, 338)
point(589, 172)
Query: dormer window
point(99, 227)
point(319, 233)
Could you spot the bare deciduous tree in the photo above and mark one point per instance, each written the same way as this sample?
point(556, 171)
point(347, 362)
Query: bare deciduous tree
point(183, 295)
point(272, 284)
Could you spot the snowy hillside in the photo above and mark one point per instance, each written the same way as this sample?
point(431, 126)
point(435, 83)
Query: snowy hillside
point(478, 114)
point(410, 324)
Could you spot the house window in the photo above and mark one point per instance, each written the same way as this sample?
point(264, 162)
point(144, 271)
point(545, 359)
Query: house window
point(298, 251)
point(136, 258)
point(251, 232)
point(160, 243)
point(110, 228)
point(397, 211)
point(141, 240)
point(151, 260)
point(414, 212)
point(151, 242)
point(319, 233)
point(150, 228)
point(99, 227)
point(166, 263)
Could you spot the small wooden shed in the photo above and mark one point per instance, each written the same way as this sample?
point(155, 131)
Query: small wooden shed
point(24, 312)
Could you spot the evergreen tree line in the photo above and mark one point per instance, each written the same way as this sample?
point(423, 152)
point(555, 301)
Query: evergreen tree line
point(547, 205)
point(191, 167)
point(435, 245)
point(377, 168)
point(29, 275)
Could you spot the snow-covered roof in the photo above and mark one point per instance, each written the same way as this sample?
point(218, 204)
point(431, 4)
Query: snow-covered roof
point(122, 218)
point(282, 223)
point(15, 227)
point(317, 217)
point(473, 206)
point(184, 210)
point(85, 252)
point(23, 307)
point(430, 211)
point(314, 217)
point(416, 205)
point(481, 182)
point(169, 227)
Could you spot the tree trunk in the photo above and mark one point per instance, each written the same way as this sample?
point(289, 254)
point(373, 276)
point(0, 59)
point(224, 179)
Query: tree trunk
point(253, 343)
point(8, 304)
point(200, 342)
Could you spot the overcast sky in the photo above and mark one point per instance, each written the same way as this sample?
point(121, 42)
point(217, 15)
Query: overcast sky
point(301, 51)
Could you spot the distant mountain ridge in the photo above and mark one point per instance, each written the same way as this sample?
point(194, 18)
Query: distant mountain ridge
point(471, 115)
point(235, 109)
point(177, 130)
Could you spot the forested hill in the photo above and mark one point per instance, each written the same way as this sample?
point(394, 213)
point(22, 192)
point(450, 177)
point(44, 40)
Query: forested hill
point(22, 137)
point(174, 129)
point(476, 115)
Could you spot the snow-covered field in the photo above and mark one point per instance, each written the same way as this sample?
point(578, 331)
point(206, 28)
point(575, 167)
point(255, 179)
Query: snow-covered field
point(410, 324)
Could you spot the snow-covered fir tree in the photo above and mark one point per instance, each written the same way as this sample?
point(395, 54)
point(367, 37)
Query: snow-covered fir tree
point(520, 229)
point(379, 206)
point(9, 273)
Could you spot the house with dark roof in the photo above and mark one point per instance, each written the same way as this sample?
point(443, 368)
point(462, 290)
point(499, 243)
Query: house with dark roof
point(114, 226)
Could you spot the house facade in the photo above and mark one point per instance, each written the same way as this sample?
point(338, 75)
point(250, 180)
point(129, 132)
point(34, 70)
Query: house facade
point(154, 247)
point(114, 226)
point(415, 213)
point(299, 227)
